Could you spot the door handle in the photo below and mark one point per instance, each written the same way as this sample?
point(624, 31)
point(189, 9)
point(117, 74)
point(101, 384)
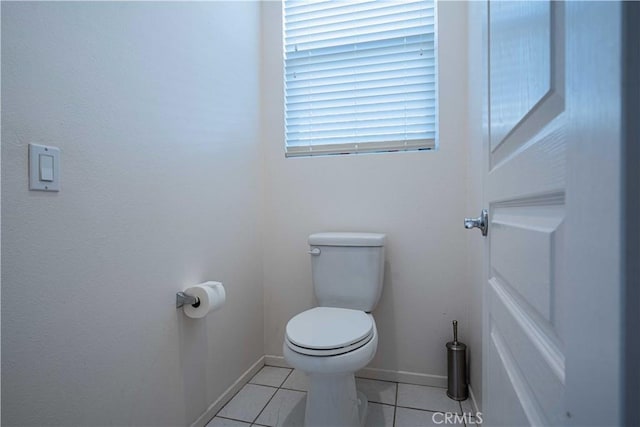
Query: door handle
point(482, 222)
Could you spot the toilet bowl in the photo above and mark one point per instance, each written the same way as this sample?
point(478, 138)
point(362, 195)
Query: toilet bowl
point(332, 399)
point(333, 341)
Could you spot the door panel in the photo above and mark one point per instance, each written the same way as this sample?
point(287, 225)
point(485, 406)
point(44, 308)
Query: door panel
point(523, 252)
point(537, 168)
point(506, 382)
point(520, 58)
point(526, 78)
point(533, 351)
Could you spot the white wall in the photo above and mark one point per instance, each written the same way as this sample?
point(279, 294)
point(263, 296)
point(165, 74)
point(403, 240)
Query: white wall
point(417, 198)
point(154, 108)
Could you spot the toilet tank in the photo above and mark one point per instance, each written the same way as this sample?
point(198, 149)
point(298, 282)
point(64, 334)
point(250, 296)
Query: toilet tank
point(347, 269)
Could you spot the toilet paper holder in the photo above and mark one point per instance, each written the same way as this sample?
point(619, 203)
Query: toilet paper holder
point(183, 299)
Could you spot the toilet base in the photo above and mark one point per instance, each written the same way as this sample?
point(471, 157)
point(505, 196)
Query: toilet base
point(363, 406)
point(332, 400)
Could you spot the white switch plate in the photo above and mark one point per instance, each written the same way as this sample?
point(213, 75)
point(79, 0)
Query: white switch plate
point(38, 171)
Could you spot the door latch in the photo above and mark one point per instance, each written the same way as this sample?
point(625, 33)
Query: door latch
point(482, 222)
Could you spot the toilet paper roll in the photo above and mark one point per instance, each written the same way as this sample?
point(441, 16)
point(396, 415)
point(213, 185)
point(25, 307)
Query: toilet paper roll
point(211, 296)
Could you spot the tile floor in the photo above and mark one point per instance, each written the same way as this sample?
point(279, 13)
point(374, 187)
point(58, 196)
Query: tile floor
point(276, 397)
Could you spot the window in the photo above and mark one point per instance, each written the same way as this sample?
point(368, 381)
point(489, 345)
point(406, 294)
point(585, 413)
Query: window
point(360, 76)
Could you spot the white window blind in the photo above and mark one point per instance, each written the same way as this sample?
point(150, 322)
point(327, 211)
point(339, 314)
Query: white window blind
point(360, 76)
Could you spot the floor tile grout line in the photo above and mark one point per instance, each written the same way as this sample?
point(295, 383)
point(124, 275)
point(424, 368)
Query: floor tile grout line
point(395, 405)
point(387, 381)
point(400, 382)
point(286, 378)
point(268, 385)
point(261, 385)
point(228, 418)
point(272, 396)
point(236, 393)
point(229, 401)
point(292, 389)
point(464, 419)
point(380, 403)
point(265, 406)
point(424, 410)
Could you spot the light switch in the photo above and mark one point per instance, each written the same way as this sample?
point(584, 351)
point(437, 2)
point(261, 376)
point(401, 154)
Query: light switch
point(44, 168)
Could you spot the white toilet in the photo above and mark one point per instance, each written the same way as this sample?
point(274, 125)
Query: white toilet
point(331, 342)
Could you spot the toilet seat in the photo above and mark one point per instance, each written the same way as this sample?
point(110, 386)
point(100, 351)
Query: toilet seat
point(329, 331)
point(330, 352)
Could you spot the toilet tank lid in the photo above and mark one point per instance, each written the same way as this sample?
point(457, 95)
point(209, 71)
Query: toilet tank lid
point(347, 239)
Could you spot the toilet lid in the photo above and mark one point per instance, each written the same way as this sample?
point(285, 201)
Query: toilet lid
point(324, 328)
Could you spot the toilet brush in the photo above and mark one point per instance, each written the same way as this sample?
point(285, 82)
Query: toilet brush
point(457, 367)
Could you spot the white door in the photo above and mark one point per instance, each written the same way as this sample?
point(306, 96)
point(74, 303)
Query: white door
point(551, 316)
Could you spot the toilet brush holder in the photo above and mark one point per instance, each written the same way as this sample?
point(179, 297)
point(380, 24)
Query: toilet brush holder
point(457, 388)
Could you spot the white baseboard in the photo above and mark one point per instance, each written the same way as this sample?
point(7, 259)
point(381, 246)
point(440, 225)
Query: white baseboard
point(229, 393)
point(378, 374)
